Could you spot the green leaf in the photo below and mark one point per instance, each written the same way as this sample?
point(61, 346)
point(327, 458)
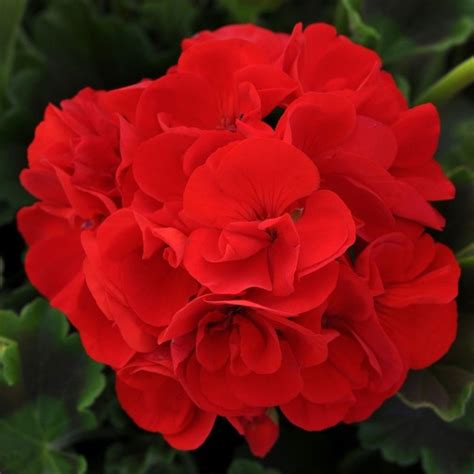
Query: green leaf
point(406, 436)
point(243, 11)
point(12, 195)
point(459, 161)
point(47, 408)
point(361, 461)
point(460, 33)
point(147, 454)
point(86, 48)
point(9, 361)
point(246, 466)
point(359, 30)
point(171, 19)
point(451, 84)
point(443, 388)
point(438, 28)
point(447, 386)
point(11, 13)
point(18, 297)
point(466, 256)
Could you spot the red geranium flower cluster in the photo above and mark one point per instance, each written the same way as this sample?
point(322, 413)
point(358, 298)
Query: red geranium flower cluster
point(246, 233)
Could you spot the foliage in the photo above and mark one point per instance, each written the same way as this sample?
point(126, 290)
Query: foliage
point(48, 386)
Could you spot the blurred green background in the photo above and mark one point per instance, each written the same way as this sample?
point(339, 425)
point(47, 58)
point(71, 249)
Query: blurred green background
point(58, 413)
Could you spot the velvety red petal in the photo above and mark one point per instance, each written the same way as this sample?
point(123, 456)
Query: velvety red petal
point(53, 242)
point(259, 345)
point(158, 165)
point(334, 61)
point(314, 417)
point(250, 180)
point(250, 272)
point(185, 99)
point(269, 390)
point(326, 230)
point(195, 433)
point(270, 42)
point(417, 133)
point(316, 123)
point(422, 333)
point(372, 140)
point(310, 291)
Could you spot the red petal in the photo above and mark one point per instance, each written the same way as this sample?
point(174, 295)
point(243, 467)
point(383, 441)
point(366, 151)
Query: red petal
point(326, 230)
point(422, 333)
point(417, 133)
point(158, 165)
point(269, 390)
point(250, 180)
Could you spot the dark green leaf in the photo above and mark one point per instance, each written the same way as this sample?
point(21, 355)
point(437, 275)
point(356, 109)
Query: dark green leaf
point(147, 454)
point(47, 408)
point(243, 11)
point(171, 19)
point(18, 297)
point(419, 27)
point(246, 466)
point(12, 195)
point(459, 161)
point(84, 48)
point(405, 436)
point(11, 12)
point(447, 386)
point(358, 30)
point(361, 461)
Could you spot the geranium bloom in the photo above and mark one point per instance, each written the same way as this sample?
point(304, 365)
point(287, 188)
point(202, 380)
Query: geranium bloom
point(356, 156)
point(74, 162)
point(261, 217)
point(229, 264)
point(414, 284)
point(149, 393)
point(363, 366)
point(236, 356)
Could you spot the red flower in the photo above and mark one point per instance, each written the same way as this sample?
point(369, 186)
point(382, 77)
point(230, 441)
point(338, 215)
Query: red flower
point(225, 266)
point(272, 43)
point(261, 431)
point(234, 356)
point(357, 157)
point(215, 85)
point(261, 217)
point(152, 397)
point(74, 163)
point(363, 366)
point(132, 270)
point(414, 285)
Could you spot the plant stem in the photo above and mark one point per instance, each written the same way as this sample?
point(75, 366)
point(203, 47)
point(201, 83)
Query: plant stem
point(450, 84)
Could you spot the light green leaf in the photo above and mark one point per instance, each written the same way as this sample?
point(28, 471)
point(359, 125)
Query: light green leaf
point(47, 408)
point(9, 361)
point(451, 84)
point(466, 256)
